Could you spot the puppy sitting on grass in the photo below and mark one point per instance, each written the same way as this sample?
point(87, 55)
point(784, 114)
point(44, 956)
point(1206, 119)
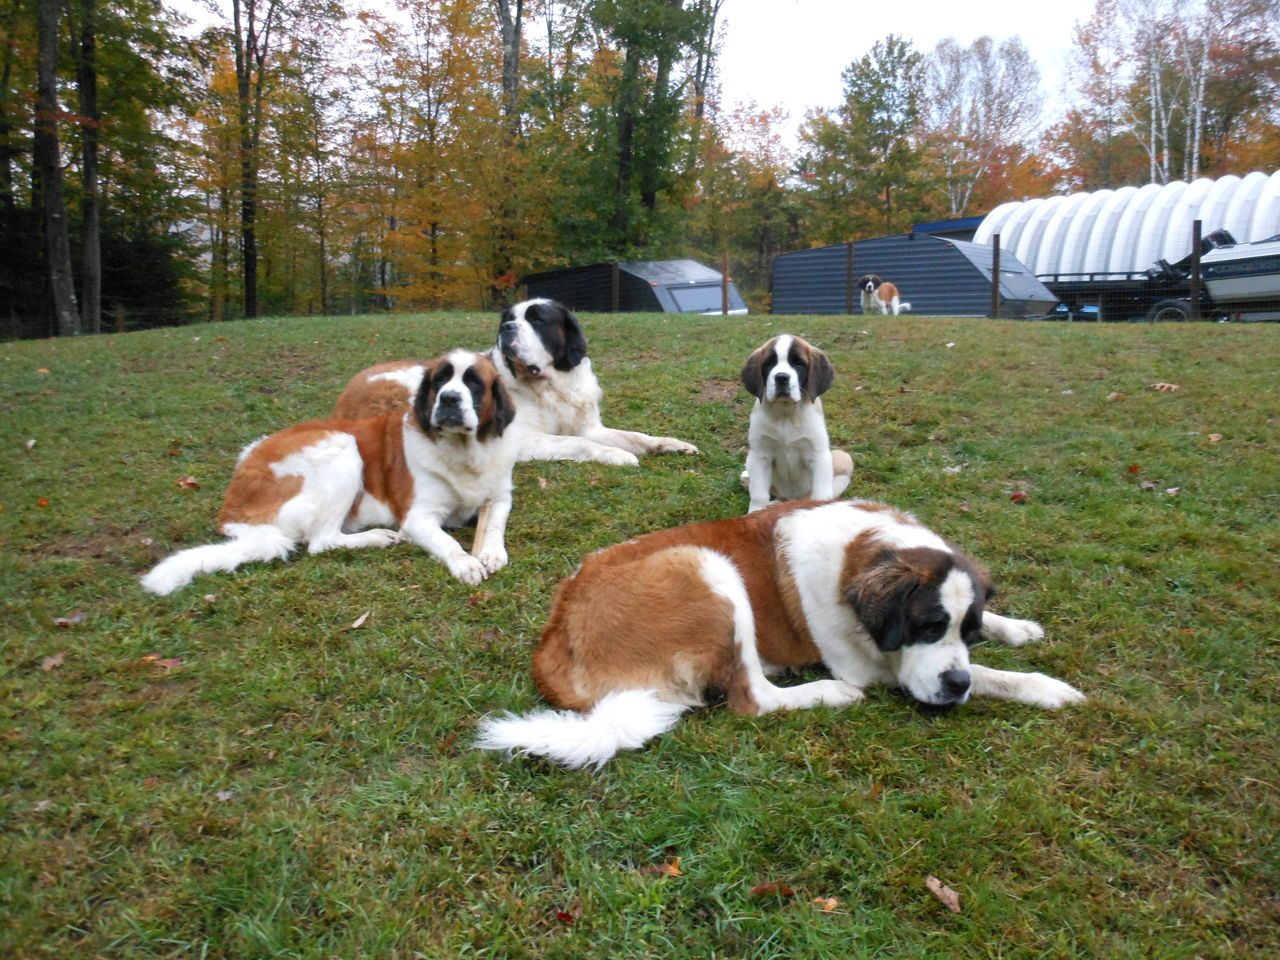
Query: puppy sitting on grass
point(789, 456)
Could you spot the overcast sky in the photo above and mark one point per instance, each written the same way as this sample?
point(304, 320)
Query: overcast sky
point(790, 53)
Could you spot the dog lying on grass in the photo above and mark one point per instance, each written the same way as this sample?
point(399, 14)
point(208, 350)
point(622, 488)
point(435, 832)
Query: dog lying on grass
point(642, 629)
point(441, 462)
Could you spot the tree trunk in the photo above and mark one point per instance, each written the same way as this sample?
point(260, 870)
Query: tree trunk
point(91, 245)
point(620, 220)
point(245, 44)
point(510, 22)
point(7, 150)
point(48, 167)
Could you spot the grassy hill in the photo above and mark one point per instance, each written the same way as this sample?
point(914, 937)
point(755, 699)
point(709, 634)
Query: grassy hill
point(239, 771)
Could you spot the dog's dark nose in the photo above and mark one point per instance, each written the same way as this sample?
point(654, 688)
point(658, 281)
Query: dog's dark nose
point(508, 326)
point(955, 682)
point(781, 379)
point(450, 399)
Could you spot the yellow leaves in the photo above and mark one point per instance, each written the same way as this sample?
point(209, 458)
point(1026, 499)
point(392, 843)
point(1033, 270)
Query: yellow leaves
point(669, 869)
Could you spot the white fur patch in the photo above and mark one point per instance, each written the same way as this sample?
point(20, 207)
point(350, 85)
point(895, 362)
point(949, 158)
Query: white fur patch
point(408, 377)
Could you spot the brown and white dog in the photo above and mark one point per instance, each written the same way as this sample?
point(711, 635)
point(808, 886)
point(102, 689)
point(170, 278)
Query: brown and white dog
point(643, 628)
point(541, 354)
point(789, 456)
point(880, 296)
point(441, 462)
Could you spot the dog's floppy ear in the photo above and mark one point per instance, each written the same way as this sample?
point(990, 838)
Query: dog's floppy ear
point(575, 343)
point(425, 399)
point(879, 597)
point(753, 372)
point(504, 409)
point(821, 375)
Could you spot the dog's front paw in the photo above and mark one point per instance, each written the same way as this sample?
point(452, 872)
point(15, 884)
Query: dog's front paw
point(617, 457)
point(672, 445)
point(492, 559)
point(1018, 632)
point(1012, 632)
point(1051, 694)
point(384, 538)
point(466, 568)
point(837, 693)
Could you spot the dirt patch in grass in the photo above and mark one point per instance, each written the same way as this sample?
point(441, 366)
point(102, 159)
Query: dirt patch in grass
point(106, 541)
point(717, 390)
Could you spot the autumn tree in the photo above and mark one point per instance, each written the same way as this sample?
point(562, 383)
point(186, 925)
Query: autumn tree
point(978, 100)
point(864, 168)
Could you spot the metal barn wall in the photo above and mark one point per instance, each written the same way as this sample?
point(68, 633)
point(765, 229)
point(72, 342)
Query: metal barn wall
point(930, 273)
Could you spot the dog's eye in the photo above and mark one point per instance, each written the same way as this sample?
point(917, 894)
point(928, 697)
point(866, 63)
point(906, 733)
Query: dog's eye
point(471, 378)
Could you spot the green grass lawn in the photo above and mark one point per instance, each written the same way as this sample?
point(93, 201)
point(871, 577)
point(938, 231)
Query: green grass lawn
point(236, 771)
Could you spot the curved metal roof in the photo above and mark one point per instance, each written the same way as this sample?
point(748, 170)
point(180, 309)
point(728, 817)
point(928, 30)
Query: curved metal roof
point(1127, 230)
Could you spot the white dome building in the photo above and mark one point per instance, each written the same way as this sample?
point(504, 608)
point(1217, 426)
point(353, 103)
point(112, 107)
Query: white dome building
point(1127, 230)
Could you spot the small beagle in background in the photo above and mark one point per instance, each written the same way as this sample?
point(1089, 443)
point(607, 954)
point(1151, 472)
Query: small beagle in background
point(789, 455)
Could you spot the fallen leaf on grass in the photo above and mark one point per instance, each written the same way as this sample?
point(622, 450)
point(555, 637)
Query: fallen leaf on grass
point(1215, 438)
point(210, 598)
point(570, 915)
point(1115, 395)
point(952, 469)
point(484, 596)
point(52, 663)
point(1147, 485)
point(42, 502)
point(31, 443)
point(950, 344)
point(826, 904)
point(188, 482)
point(1134, 469)
point(1163, 387)
point(669, 869)
point(164, 663)
point(225, 795)
point(1019, 496)
point(771, 890)
point(358, 622)
point(71, 619)
point(42, 369)
point(542, 483)
point(40, 806)
point(950, 899)
point(1172, 491)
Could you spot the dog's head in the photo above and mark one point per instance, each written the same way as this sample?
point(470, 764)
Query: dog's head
point(869, 282)
point(922, 606)
point(536, 335)
point(462, 393)
point(788, 368)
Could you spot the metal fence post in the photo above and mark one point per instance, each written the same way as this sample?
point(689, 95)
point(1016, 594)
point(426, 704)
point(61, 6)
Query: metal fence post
point(1196, 226)
point(848, 277)
point(995, 277)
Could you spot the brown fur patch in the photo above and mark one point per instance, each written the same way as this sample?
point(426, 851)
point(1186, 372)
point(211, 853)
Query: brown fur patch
point(640, 614)
point(365, 397)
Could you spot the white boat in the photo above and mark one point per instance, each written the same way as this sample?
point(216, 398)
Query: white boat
point(1243, 272)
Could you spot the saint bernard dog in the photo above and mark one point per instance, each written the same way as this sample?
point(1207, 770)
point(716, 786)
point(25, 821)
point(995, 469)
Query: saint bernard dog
point(880, 296)
point(643, 628)
point(788, 454)
point(541, 354)
point(443, 461)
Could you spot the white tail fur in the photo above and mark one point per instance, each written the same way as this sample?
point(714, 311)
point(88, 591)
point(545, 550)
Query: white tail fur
point(904, 306)
point(247, 542)
point(620, 721)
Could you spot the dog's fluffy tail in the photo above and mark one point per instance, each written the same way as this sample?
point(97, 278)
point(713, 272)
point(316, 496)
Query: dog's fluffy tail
point(247, 542)
point(619, 721)
point(903, 307)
